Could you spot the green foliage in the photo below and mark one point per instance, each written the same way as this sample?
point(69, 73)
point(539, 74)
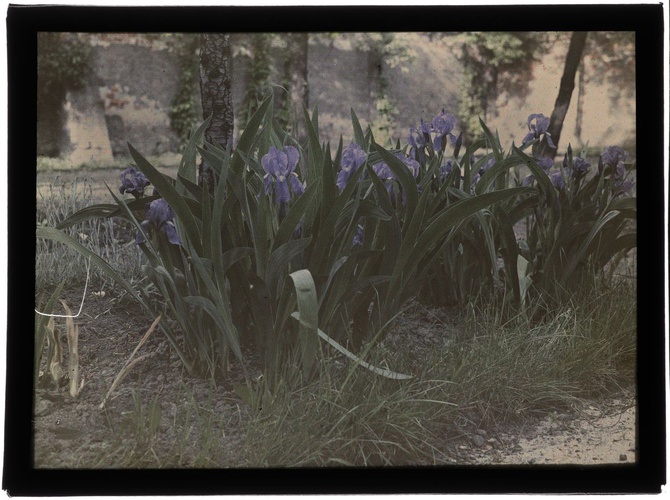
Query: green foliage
point(579, 227)
point(611, 57)
point(62, 62)
point(259, 72)
point(252, 264)
point(108, 238)
point(386, 49)
point(183, 113)
point(494, 63)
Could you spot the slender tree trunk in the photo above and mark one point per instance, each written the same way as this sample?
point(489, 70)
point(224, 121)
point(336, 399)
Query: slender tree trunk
point(215, 90)
point(374, 77)
point(580, 101)
point(572, 60)
point(298, 45)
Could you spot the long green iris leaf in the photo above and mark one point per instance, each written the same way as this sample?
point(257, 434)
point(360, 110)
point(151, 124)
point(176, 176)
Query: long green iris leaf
point(379, 371)
point(175, 200)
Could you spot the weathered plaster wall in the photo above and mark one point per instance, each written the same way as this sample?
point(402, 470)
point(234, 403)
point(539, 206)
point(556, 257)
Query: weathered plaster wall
point(138, 87)
point(134, 86)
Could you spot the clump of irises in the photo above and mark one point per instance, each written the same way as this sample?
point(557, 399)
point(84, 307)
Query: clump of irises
point(385, 173)
point(432, 136)
point(353, 157)
point(159, 217)
point(614, 157)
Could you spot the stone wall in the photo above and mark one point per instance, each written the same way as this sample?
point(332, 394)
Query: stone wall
point(129, 96)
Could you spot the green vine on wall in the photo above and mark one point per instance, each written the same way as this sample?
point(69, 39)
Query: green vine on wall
point(183, 113)
point(259, 73)
point(493, 63)
point(62, 62)
point(386, 50)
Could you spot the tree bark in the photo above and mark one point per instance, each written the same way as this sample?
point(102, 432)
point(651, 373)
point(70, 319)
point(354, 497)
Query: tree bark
point(216, 94)
point(298, 45)
point(580, 101)
point(572, 60)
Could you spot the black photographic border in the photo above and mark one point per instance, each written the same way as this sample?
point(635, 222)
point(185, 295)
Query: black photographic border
point(645, 476)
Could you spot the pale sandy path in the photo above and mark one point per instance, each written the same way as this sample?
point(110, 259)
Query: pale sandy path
point(598, 433)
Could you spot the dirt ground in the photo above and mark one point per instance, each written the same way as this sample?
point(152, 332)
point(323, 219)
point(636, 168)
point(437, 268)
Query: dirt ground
point(598, 433)
point(77, 433)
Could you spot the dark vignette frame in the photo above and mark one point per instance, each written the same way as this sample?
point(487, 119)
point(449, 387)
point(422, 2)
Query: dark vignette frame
point(646, 476)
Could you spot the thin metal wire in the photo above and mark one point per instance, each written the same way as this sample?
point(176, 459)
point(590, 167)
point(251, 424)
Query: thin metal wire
point(81, 306)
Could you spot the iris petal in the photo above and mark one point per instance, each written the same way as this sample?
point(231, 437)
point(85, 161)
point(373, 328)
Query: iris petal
point(281, 190)
point(296, 185)
point(171, 233)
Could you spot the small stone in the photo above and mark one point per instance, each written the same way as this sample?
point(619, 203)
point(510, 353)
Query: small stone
point(478, 441)
point(481, 432)
point(622, 457)
point(462, 447)
point(42, 407)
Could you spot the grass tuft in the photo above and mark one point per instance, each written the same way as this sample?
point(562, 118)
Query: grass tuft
point(111, 239)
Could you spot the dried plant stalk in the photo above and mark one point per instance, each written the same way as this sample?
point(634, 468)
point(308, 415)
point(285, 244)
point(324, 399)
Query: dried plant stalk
point(130, 363)
point(55, 352)
point(73, 359)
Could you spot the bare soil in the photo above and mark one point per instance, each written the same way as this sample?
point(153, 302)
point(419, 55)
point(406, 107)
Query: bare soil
point(600, 432)
point(75, 432)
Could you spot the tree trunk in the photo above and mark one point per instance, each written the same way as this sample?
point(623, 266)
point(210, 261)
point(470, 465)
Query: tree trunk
point(581, 81)
point(215, 90)
point(298, 46)
point(572, 60)
point(374, 77)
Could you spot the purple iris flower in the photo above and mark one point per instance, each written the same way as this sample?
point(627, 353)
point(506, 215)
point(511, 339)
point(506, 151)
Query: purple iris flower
point(528, 180)
point(474, 182)
point(133, 181)
point(580, 167)
point(488, 165)
point(623, 187)
point(620, 171)
point(613, 155)
point(442, 125)
point(481, 171)
point(538, 128)
point(412, 164)
point(418, 139)
point(544, 162)
point(353, 157)
point(280, 166)
point(557, 180)
point(358, 237)
point(445, 170)
point(159, 218)
point(385, 173)
point(616, 154)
